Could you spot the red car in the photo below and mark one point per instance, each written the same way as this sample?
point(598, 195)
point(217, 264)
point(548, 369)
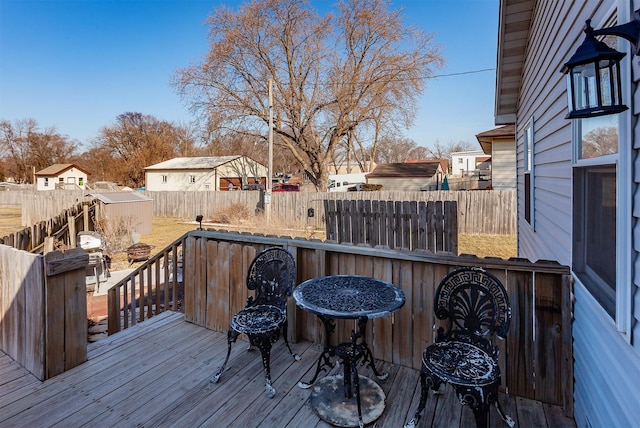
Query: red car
point(279, 187)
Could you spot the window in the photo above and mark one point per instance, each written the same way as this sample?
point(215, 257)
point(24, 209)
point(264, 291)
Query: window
point(192, 179)
point(529, 185)
point(80, 181)
point(46, 182)
point(164, 178)
point(71, 180)
point(594, 232)
point(595, 200)
point(60, 179)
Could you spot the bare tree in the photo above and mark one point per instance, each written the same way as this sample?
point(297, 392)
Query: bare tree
point(443, 151)
point(332, 74)
point(391, 150)
point(27, 149)
point(136, 141)
point(600, 141)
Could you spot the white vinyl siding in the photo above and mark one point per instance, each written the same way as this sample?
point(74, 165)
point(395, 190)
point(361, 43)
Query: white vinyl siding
point(503, 165)
point(606, 359)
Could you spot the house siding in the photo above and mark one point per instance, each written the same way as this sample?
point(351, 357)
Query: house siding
point(503, 165)
point(606, 362)
point(205, 178)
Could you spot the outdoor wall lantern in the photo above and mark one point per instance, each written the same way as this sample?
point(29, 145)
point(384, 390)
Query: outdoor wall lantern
point(593, 72)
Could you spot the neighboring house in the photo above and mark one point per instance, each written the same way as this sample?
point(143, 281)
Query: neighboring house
point(466, 163)
point(61, 176)
point(205, 173)
point(576, 207)
point(413, 176)
point(500, 144)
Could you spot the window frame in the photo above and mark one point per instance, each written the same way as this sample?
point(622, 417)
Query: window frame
point(528, 141)
point(192, 179)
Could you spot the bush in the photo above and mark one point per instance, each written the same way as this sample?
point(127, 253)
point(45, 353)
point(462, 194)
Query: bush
point(232, 214)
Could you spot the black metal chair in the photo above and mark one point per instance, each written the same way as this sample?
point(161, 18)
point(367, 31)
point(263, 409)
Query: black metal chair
point(475, 306)
point(272, 275)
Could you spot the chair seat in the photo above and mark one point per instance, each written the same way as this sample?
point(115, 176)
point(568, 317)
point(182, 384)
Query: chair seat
point(460, 363)
point(258, 319)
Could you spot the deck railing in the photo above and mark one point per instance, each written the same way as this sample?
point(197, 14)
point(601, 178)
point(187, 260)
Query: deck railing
point(536, 356)
point(152, 288)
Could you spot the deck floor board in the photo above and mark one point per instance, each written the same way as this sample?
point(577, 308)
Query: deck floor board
point(157, 373)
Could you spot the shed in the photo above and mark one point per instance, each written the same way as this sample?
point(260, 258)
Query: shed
point(131, 211)
point(204, 173)
point(61, 176)
point(412, 176)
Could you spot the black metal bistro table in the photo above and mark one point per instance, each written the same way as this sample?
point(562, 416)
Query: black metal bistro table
point(347, 297)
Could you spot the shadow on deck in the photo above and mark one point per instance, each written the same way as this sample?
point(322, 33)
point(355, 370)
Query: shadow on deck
point(157, 374)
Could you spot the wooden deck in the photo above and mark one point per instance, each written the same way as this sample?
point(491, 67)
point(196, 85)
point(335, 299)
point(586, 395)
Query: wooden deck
point(157, 374)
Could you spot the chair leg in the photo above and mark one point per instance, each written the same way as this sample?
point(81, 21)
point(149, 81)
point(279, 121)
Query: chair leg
point(264, 343)
point(503, 415)
point(285, 326)
point(481, 413)
point(424, 391)
point(232, 336)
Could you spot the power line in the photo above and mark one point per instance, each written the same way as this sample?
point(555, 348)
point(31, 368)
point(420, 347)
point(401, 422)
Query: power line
point(461, 73)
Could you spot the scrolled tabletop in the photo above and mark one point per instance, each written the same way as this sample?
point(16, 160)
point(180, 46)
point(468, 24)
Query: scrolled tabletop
point(348, 296)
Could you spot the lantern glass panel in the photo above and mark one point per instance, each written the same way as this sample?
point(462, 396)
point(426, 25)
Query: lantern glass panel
point(608, 83)
point(584, 84)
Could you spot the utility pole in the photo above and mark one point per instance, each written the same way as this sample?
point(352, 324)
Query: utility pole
point(267, 197)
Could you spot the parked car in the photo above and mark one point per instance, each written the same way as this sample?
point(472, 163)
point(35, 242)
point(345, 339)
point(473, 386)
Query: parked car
point(253, 187)
point(283, 187)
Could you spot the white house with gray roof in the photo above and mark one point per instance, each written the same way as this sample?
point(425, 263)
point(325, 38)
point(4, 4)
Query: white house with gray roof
point(204, 173)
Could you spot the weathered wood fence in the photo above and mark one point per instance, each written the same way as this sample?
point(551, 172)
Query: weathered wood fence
point(407, 225)
point(479, 212)
point(43, 309)
point(536, 356)
point(62, 227)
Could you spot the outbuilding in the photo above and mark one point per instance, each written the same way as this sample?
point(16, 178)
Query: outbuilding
point(125, 211)
point(409, 176)
point(204, 173)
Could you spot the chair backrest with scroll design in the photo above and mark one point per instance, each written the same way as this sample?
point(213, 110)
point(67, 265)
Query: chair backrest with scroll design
point(272, 275)
point(474, 304)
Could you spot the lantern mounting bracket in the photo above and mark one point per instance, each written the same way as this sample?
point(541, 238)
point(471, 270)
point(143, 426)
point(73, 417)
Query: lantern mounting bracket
point(629, 31)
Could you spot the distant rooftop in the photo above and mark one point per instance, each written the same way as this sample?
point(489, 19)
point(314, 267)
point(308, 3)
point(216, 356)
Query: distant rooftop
point(201, 162)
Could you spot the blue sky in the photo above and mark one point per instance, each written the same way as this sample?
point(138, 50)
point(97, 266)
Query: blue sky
point(78, 64)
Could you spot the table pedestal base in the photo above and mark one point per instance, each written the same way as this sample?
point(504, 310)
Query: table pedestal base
point(330, 404)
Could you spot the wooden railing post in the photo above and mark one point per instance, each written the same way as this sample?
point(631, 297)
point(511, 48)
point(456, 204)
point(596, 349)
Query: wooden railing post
point(65, 314)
